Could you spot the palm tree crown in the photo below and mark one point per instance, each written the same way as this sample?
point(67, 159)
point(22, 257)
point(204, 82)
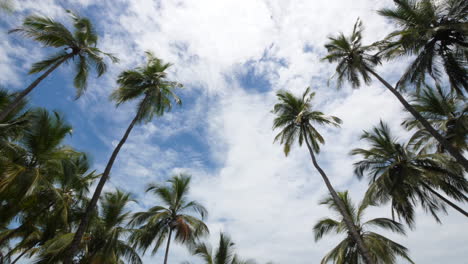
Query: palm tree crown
point(80, 44)
point(149, 82)
point(405, 178)
point(354, 60)
point(295, 118)
point(223, 254)
point(175, 214)
point(383, 250)
point(434, 31)
point(446, 112)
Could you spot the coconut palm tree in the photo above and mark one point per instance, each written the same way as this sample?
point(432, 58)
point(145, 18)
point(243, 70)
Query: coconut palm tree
point(406, 178)
point(109, 232)
point(295, 117)
point(383, 250)
point(445, 112)
point(356, 63)
point(156, 93)
point(79, 46)
point(176, 214)
point(223, 254)
point(435, 32)
point(51, 211)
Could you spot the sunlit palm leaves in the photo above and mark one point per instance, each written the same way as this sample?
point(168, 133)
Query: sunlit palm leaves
point(79, 45)
point(175, 214)
point(383, 250)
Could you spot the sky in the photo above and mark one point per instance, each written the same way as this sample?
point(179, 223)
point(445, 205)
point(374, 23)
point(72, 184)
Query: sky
point(232, 57)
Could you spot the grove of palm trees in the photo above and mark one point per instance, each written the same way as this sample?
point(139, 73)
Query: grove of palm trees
point(234, 132)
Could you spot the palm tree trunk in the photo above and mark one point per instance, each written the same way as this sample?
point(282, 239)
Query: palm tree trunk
point(346, 217)
point(167, 246)
point(17, 101)
point(92, 204)
point(447, 201)
point(456, 154)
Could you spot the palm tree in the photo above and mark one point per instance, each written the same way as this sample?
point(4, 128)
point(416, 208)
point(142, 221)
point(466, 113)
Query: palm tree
point(175, 215)
point(49, 213)
point(223, 254)
point(383, 250)
point(294, 116)
point(108, 233)
point(156, 92)
point(405, 178)
point(355, 63)
point(446, 112)
point(79, 45)
point(435, 32)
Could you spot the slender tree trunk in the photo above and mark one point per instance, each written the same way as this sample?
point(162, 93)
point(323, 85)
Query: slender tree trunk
point(346, 217)
point(17, 101)
point(447, 201)
point(92, 204)
point(450, 149)
point(167, 246)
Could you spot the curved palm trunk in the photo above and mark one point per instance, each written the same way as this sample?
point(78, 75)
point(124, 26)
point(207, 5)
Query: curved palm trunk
point(17, 101)
point(167, 246)
point(450, 149)
point(346, 217)
point(92, 204)
point(447, 201)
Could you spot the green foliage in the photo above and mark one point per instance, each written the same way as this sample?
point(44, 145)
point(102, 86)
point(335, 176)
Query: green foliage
point(354, 60)
point(435, 32)
point(446, 112)
point(295, 116)
point(223, 254)
point(383, 250)
point(79, 46)
point(175, 214)
point(149, 83)
point(405, 178)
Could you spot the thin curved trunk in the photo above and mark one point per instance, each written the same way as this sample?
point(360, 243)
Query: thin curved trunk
point(346, 217)
point(167, 246)
point(450, 149)
point(447, 201)
point(92, 204)
point(17, 101)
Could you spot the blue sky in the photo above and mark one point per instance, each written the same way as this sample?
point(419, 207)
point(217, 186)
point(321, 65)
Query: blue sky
point(231, 56)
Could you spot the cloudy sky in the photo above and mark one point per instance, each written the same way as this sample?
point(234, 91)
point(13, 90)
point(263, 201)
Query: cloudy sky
point(232, 56)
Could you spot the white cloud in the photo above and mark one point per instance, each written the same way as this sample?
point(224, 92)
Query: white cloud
point(267, 202)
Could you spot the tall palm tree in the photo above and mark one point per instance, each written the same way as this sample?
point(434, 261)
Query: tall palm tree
point(355, 63)
point(435, 32)
point(108, 233)
point(175, 215)
point(383, 250)
point(223, 254)
point(294, 116)
point(446, 112)
point(149, 84)
point(79, 46)
point(405, 178)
